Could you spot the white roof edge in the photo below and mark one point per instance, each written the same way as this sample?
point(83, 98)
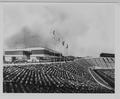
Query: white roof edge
point(29, 49)
point(25, 49)
point(13, 55)
point(35, 48)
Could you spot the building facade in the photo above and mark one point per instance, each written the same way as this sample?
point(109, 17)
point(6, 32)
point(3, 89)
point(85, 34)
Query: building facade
point(30, 55)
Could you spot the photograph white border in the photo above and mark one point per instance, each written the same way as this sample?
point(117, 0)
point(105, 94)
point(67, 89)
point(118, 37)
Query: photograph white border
point(71, 96)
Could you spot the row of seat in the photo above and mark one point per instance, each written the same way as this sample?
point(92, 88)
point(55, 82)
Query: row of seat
point(102, 62)
point(57, 77)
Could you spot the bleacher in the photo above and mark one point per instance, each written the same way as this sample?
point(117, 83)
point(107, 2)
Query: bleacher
point(70, 77)
point(102, 62)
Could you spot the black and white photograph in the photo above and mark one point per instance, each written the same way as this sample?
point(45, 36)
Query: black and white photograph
point(59, 48)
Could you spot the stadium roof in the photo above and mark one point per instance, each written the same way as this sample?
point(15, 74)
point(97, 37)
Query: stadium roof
point(24, 49)
point(30, 49)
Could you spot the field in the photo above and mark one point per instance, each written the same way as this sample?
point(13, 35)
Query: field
point(69, 77)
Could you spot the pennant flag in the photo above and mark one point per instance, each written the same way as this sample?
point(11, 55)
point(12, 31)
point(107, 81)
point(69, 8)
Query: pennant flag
point(63, 43)
point(53, 32)
point(67, 46)
point(54, 36)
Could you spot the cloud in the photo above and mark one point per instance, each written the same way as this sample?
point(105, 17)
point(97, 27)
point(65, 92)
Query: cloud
point(27, 38)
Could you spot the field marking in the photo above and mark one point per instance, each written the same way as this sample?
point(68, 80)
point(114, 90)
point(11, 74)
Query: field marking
point(99, 78)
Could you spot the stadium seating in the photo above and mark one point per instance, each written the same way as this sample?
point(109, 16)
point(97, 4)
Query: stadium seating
point(70, 77)
point(103, 62)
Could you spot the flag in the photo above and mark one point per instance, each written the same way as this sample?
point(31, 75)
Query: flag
point(53, 32)
point(67, 46)
point(54, 36)
point(63, 42)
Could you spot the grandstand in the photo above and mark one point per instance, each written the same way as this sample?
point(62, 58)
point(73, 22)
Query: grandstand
point(102, 62)
point(30, 54)
point(77, 75)
point(72, 77)
point(69, 77)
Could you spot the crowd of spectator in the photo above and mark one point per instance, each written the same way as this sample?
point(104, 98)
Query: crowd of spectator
point(69, 77)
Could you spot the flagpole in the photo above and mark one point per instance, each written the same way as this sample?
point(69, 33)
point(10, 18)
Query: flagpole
point(67, 50)
point(54, 48)
point(57, 39)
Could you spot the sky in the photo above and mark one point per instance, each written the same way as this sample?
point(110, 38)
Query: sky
point(88, 29)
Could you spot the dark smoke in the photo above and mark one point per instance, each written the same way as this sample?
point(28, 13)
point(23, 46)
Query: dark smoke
point(27, 38)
